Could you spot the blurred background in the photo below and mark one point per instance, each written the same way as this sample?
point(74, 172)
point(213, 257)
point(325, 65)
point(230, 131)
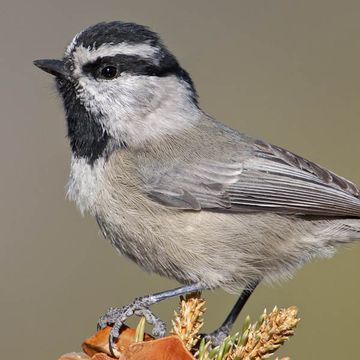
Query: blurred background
point(284, 71)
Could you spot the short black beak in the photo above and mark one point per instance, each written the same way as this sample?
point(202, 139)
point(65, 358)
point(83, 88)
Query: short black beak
point(53, 67)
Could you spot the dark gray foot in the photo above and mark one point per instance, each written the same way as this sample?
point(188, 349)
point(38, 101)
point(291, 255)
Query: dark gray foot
point(140, 307)
point(218, 336)
point(117, 316)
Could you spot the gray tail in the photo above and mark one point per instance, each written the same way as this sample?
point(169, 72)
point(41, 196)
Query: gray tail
point(340, 232)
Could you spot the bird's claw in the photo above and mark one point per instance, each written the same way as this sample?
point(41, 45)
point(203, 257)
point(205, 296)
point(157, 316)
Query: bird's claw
point(117, 316)
point(217, 336)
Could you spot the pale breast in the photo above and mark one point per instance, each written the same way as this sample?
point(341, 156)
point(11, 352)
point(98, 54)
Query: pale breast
point(85, 183)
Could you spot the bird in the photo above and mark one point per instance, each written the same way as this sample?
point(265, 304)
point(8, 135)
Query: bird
point(178, 192)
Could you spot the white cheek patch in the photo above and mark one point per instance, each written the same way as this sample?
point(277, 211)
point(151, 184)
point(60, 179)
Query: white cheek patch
point(138, 109)
point(82, 55)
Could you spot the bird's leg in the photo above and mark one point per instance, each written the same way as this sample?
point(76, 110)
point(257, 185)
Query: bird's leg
point(140, 307)
point(217, 336)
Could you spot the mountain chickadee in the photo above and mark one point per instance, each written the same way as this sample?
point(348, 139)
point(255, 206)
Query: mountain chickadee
point(179, 193)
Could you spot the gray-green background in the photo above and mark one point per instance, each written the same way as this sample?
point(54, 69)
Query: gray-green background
point(286, 71)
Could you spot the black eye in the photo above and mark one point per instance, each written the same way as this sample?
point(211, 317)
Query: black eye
point(109, 72)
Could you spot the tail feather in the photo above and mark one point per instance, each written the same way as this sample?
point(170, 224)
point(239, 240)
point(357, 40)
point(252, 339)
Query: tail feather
point(340, 232)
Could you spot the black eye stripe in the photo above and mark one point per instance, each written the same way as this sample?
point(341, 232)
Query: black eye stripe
point(133, 64)
point(137, 65)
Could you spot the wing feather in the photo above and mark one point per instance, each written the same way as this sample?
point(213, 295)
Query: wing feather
point(269, 179)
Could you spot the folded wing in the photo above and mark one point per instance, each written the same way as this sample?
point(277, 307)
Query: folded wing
point(270, 179)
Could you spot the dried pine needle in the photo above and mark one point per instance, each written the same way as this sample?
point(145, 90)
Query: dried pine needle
point(189, 320)
point(255, 342)
point(266, 336)
point(140, 330)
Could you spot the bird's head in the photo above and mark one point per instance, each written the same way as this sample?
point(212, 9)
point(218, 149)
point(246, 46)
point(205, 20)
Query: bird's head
point(121, 87)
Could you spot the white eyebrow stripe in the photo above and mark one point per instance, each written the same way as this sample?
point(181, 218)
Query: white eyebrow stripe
point(83, 55)
point(72, 45)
